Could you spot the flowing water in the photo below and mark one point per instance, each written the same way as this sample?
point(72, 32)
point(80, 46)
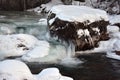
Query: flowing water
point(94, 67)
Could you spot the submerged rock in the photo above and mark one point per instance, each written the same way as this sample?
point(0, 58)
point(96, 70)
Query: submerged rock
point(83, 26)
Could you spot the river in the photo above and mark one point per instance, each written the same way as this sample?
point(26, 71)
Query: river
point(94, 67)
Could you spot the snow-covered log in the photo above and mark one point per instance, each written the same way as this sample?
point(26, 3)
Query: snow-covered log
point(84, 26)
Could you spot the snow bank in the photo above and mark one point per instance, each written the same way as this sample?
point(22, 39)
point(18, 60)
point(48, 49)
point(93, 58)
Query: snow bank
point(46, 7)
point(16, 45)
point(41, 50)
point(114, 19)
point(17, 70)
point(51, 74)
point(14, 70)
point(74, 13)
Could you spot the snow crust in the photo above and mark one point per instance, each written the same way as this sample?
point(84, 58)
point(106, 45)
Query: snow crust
point(74, 13)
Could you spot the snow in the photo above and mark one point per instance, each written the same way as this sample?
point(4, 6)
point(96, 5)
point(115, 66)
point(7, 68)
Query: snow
point(18, 70)
point(52, 74)
point(49, 5)
point(43, 21)
point(74, 13)
point(106, 46)
point(28, 48)
point(16, 44)
point(46, 7)
point(14, 70)
point(115, 47)
point(82, 32)
point(114, 19)
point(41, 50)
point(112, 29)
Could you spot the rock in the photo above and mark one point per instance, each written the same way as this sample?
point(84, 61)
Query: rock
point(84, 26)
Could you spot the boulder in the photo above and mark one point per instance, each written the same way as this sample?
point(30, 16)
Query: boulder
point(81, 25)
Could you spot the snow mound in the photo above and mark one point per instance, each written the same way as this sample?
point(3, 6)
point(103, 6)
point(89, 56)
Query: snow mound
point(14, 70)
point(41, 50)
point(74, 13)
point(17, 70)
point(16, 45)
point(51, 74)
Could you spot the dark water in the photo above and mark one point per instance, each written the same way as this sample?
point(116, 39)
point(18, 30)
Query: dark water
point(95, 67)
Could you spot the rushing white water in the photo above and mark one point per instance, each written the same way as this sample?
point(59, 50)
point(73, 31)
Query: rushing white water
point(28, 23)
